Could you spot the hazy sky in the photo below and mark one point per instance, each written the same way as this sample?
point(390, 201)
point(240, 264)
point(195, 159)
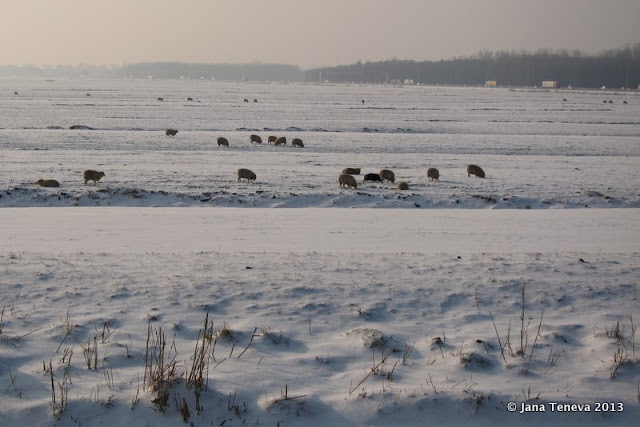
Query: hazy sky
point(308, 33)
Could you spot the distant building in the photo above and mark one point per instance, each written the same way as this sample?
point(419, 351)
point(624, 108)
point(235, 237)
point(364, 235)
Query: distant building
point(549, 84)
point(490, 83)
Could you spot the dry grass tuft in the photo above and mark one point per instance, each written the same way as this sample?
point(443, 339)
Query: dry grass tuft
point(625, 345)
point(161, 370)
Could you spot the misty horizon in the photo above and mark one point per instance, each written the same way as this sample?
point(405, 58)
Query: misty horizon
point(552, 51)
point(309, 35)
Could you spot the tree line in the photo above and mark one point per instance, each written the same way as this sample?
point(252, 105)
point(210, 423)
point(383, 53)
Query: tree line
point(615, 68)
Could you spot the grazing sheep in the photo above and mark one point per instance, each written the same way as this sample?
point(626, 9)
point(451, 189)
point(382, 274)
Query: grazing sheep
point(351, 171)
point(271, 139)
point(48, 183)
point(475, 170)
point(223, 141)
point(255, 100)
point(255, 139)
point(297, 142)
point(372, 177)
point(346, 180)
point(160, 99)
point(433, 173)
point(246, 100)
point(403, 185)
point(171, 132)
point(246, 174)
point(189, 99)
point(387, 174)
point(91, 175)
point(280, 141)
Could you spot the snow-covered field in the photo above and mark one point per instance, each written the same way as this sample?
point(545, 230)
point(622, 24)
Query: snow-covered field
point(537, 150)
point(317, 316)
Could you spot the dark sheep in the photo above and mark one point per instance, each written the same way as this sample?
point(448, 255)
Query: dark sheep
point(246, 174)
point(280, 141)
point(171, 132)
point(388, 175)
point(271, 139)
point(351, 171)
point(346, 180)
point(91, 175)
point(255, 139)
point(372, 177)
point(475, 170)
point(297, 142)
point(223, 141)
point(433, 174)
point(403, 185)
point(48, 183)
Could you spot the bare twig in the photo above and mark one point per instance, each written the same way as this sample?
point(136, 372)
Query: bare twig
point(537, 335)
point(498, 335)
point(375, 368)
point(253, 335)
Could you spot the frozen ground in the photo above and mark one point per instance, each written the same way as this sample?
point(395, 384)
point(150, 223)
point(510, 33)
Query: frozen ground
point(317, 316)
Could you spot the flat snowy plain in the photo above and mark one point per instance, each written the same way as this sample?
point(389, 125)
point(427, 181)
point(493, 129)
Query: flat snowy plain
point(455, 300)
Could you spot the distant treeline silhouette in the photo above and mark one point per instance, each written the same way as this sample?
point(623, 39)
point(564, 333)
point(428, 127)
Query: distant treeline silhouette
point(614, 68)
